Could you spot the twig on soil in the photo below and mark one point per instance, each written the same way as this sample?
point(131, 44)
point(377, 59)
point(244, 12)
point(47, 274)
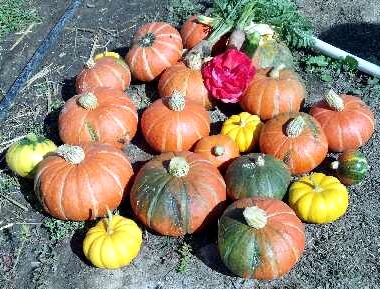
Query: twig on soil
point(13, 224)
point(112, 32)
point(42, 73)
point(23, 34)
point(14, 202)
point(81, 29)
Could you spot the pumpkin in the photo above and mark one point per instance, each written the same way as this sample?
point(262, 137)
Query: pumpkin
point(107, 69)
point(186, 79)
point(219, 149)
point(273, 91)
point(193, 32)
point(100, 115)
point(79, 182)
point(23, 156)
point(260, 238)
point(257, 175)
point(348, 123)
point(113, 242)
point(173, 124)
point(244, 129)
point(178, 193)
point(351, 167)
point(295, 138)
point(155, 46)
point(318, 198)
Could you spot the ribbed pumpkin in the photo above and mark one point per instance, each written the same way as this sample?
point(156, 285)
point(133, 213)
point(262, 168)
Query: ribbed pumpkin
point(273, 91)
point(295, 138)
point(186, 79)
point(244, 129)
point(79, 183)
point(172, 124)
point(193, 32)
point(351, 167)
point(155, 46)
point(178, 193)
point(23, 156)
point(113, 243)
point(318, 198)
point(219, 149)
point(260, 238)
point(100, 115)
point(107, 69)
point(348, 123)
point(257, 175)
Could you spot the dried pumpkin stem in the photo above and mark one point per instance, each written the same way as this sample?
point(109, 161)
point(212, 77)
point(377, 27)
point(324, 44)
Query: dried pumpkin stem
point(178, 167)
point(275, 72)
point(109, 221)
point(176, 101)
point(334, 100)
point(71, 154)
point(218, 150)
point(334, 165)
point(194, 61)
point(255, 217)
point(260, 161)
point(88, 101)
point(295, 126)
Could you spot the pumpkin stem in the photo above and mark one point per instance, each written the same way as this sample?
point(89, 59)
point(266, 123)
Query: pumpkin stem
point(177, 101)
point(255, 217)
point(334, 165)
point(218, 150)
point(32, 137)
point(147, 40)
point(260, 161)
point(334, 100)
point(107, 54)
point(242, 123)
point(109, 221)
point(178, 167)
point(275, 72)
point(295, 126)
point(194, 61)
point(71, 154)
point(88, 101)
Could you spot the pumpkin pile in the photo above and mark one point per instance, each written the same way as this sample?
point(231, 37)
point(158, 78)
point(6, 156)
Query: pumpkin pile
point(187, 186)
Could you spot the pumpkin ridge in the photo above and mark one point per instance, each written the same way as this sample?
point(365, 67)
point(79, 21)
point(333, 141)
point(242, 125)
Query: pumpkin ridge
point(179, 143)
point(159, 55)
point(366, 116)
point(185, 206)
point(189, 32)
point(113, 177)
point(92, 195)
point(91, 131)
point(146, 66)
point(273, 264)
point(195, 189)
point(115, 73)
point(62, 192)
point(98, 79)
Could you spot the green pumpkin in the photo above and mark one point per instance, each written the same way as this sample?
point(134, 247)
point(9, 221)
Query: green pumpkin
point(351, 167)
point(24, 155)
point(259, 175)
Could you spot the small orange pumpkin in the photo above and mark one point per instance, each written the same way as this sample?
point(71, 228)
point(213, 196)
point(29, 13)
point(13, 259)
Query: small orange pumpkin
point(273, 91)
point(221, 150)
point(155, 46)
point(193, 32)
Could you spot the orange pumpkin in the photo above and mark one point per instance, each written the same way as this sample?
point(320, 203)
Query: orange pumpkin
point(193, 32)
point(105, 70)
point(295, 138)
point(79, 183)
point(346, 120)
point(155, 47)
point(102, 115)
point(186, 79)
point(221, 150)
point(172, 124)
point(273, 91)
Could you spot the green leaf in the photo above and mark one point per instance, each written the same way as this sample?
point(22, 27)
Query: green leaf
point(350, 62)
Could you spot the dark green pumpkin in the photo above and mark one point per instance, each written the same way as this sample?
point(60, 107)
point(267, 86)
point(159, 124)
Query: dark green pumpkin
point(257, 175)
point(264, 246)
point(178, 199)
point(351, 167)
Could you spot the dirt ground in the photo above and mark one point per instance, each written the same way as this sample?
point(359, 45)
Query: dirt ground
point(343, 254)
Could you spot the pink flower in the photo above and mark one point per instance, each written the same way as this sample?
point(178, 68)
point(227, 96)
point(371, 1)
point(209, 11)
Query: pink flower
point(227, 75)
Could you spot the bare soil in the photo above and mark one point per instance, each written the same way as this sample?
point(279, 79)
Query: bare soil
point(343, 254)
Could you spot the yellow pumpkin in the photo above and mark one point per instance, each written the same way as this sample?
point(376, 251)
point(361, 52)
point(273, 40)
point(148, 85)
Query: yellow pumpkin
point(318, 198)
point(23, 156)
point(244, 129)
point(113, 243)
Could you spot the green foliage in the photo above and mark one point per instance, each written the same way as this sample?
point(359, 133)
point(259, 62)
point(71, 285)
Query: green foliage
point(329, 69)
point(59, 230)
point(14, 16)
point(180, 10)
point(185, 253)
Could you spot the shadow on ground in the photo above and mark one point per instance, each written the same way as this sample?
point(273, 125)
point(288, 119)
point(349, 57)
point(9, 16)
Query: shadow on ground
point(359, 39)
